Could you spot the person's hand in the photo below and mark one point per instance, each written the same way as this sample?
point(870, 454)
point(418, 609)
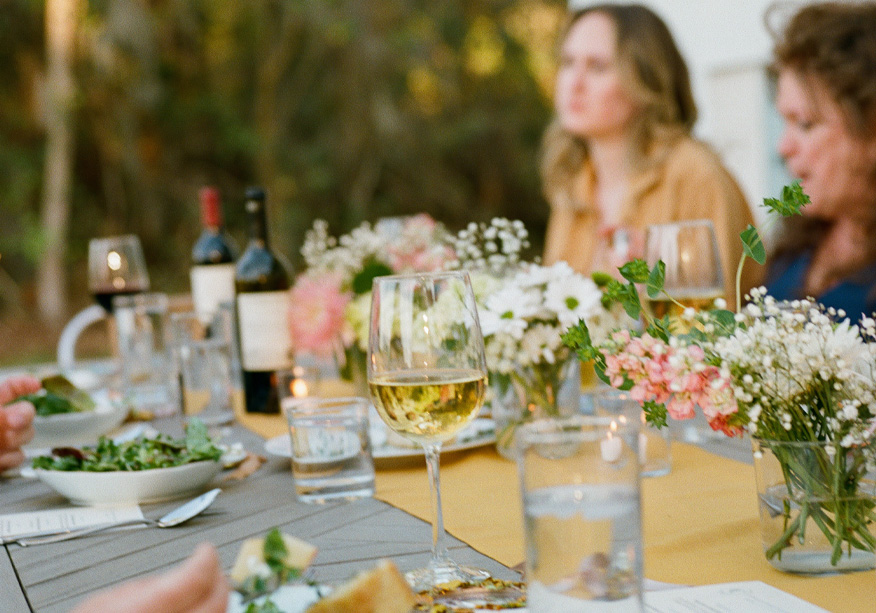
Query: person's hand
point(197, 586)
point(16, 419)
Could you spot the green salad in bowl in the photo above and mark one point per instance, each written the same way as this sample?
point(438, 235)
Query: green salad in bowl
point(143, 470)
point(160, 451)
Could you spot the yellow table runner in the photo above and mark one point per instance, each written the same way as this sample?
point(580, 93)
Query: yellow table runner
point(700, 521)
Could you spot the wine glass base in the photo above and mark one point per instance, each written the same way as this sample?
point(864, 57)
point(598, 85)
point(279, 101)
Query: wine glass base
point(466, 588)
point(424, 579)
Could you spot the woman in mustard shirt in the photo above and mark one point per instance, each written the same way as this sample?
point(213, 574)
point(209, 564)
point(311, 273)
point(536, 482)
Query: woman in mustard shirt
point(619, 155)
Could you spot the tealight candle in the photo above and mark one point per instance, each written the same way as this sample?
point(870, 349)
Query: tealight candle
point(611, 446)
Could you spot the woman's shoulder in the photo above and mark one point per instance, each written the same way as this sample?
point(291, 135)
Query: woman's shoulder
point(688, 155)
point(691, 166)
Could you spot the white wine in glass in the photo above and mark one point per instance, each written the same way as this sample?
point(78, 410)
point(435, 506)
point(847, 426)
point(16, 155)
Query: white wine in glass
point(427, 376)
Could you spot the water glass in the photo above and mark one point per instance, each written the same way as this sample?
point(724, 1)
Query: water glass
point(148, 376)
point(331, 451)
point(579, 478)
point(203, 354)
point(655, 445)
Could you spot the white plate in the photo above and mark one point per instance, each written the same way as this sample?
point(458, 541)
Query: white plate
point(130, 487)
point(478, 433)
point(288, 598)
point(74, 429)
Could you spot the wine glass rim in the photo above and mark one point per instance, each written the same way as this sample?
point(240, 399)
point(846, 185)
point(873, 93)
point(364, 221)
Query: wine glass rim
point(571, 428)
point(445, 274)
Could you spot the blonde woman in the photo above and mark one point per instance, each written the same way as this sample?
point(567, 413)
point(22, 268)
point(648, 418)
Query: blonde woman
point(619, 155)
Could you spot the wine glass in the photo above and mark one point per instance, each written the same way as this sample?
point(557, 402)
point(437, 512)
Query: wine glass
point(693, 266)
point(694, 279)
point(116, 266)
point(427, 376)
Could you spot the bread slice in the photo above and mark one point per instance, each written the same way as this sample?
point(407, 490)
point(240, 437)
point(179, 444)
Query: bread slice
point(299, 554)
point(382, 589)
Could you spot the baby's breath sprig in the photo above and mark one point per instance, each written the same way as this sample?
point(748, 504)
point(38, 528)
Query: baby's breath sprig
point(494, 248)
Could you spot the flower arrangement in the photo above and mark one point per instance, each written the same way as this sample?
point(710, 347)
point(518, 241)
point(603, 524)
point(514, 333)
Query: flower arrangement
point(522, 318)
point(524, 314)
point(789, 374)
point(330, 300)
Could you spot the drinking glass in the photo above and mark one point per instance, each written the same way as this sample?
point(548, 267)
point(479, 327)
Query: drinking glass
point(116, 266)
point(579, 480)
point(203, 355)
point(694, 279)
point(427, 376)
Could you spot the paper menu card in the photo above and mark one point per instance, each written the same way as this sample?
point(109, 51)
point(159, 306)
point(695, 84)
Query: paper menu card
point(747, 596)
point(38, 523)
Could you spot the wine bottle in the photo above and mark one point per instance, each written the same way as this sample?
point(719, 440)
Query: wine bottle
point(261, 282)
point(213, 255)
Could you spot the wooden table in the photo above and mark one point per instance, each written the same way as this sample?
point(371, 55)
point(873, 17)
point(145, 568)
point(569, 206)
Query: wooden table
point(350, 537)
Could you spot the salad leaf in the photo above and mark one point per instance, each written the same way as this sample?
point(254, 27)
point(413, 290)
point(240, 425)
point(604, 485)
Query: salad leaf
point(138, 454)
point(59, 396)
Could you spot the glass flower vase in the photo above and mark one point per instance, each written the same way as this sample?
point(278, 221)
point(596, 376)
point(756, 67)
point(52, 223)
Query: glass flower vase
point(817, 506)
point(536, 391)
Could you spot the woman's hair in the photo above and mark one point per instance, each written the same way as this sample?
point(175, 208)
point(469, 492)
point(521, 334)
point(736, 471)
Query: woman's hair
point(655, 75)
point(835, 44)
point(831, 44)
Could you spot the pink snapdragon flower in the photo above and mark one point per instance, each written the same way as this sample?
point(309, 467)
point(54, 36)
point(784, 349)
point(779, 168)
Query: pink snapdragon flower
point(316, 313)
point(678, 377)
point(646, 361)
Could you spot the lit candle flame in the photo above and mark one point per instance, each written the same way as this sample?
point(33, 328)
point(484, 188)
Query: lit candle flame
point(299, 388)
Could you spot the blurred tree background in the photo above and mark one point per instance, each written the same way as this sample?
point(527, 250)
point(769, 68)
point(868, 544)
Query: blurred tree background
point(346, 110)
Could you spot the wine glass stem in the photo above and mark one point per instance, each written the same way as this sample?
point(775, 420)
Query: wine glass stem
point(439, 536)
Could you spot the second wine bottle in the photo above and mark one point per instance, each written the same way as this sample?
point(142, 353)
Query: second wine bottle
point(261, 283)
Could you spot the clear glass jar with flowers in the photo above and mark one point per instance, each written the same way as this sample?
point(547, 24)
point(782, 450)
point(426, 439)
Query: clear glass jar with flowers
point(798, 378)
point(522, 320)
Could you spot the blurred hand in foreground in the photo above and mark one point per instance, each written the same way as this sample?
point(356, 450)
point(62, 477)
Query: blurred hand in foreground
point(196, 586)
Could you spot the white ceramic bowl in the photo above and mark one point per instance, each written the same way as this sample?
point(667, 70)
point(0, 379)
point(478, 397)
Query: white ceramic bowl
point(75, 429)
point(131, 487)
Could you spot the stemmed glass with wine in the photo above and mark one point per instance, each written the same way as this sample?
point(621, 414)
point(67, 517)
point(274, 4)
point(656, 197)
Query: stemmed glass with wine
point(116, 266)
point(694, 278)
point(427, 376)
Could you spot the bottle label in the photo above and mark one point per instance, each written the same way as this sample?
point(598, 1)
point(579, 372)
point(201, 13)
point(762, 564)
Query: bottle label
point(265, 341)
point(211, 286)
